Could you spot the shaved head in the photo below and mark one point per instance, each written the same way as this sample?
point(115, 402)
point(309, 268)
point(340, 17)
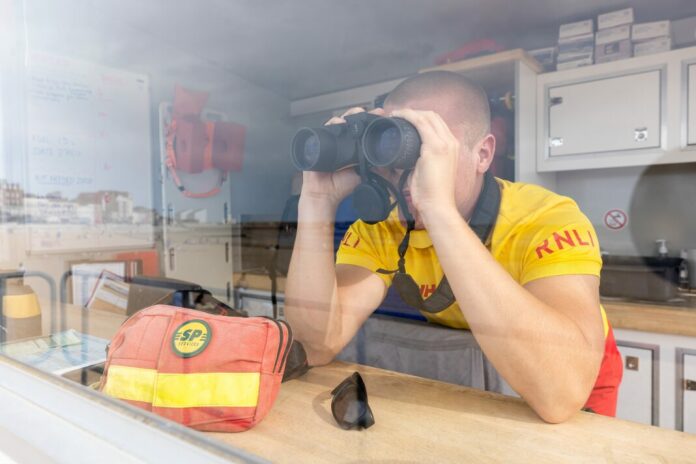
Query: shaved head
point(462, 103)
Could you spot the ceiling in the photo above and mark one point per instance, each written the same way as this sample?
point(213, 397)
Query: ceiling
point(304, 48)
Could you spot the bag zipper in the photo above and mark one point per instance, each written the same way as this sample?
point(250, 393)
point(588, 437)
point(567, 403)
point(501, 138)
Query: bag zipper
point(280, 342)
point(288, 345)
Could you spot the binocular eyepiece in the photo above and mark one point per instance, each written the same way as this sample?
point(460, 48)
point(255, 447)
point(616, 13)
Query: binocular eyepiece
point(384, 142)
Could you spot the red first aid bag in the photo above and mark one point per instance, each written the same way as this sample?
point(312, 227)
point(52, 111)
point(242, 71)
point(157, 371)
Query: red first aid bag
point(209, 372)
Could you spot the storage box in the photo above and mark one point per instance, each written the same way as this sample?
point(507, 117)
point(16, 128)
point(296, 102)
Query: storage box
point(613, 34)
point(575, 29)
point(615, 18)
point(648, 47)
point(684, 31)
point(575, 48)
point(585, 61)
point(545, 56)
point(613, 51)
point(645, 31)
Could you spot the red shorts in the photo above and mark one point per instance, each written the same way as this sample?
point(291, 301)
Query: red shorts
point(603, 398)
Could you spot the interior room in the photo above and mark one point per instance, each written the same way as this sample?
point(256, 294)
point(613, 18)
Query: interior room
point(225, 225)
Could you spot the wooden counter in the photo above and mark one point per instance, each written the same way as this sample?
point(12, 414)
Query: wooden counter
point(420, 420)
point(652, 317)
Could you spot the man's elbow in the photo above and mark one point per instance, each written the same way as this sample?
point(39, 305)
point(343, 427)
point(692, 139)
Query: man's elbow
point(320, 356)
point(557, 413)
point(560, 407)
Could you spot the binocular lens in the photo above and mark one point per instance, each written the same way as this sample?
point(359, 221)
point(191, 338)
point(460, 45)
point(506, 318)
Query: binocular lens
point(391, 142)
point(388, 145)
point(311, 149)
point(306, 150)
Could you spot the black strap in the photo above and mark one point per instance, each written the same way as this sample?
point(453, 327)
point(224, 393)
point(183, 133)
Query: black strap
point(482, 223)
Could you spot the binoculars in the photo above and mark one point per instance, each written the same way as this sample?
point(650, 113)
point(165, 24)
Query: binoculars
point(382, 142)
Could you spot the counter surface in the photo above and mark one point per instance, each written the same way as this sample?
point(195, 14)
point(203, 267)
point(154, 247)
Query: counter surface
point(420, 420)
point(656, 317)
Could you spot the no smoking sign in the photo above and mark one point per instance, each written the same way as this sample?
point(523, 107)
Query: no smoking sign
point(615, 219)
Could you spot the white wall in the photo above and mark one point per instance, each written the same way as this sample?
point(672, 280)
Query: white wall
point(660, 202)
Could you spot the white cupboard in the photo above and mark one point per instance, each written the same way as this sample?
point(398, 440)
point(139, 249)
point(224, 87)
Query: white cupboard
point(635, 112)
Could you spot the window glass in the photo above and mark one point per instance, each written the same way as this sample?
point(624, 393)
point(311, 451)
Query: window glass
point(515, 187)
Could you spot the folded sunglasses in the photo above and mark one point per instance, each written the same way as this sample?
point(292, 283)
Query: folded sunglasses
point(349, 404)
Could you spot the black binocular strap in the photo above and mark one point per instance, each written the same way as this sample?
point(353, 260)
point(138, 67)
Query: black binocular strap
point(482, 223)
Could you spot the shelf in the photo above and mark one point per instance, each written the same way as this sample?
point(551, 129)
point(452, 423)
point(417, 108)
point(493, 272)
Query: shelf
point(491, 71)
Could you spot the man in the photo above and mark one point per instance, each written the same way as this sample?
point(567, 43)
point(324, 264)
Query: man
point(529, 291)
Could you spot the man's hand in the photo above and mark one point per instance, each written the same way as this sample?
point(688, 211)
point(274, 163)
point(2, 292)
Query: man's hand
point(435, 173)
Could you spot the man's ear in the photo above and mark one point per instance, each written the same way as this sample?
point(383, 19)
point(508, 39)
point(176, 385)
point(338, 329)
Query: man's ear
point(485, 150)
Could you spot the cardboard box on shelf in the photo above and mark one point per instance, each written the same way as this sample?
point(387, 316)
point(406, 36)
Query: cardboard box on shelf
point(613, 51)
point(684, 31)
point(615, 18)
point(613, 34)
point(648, 47)
point(585, 61)
point(576, 48)
point(575, 29)
point(545, 56)
point(645, 31)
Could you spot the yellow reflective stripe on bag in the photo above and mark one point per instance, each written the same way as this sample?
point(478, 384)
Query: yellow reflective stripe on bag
point(228, 389)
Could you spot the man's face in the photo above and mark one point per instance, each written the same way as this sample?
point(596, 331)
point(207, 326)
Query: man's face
point(468, 181)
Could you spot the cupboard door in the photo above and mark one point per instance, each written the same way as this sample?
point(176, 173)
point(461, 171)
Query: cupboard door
point(689, 388)
point(637, 395)
point(203, 257)
point(691, 105)
point(605, 115)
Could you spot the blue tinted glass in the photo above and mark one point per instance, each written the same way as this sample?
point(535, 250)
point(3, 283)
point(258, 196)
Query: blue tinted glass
point(311, 149)
point(388, 145)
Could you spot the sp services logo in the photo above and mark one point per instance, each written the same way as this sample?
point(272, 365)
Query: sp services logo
point(191, 338)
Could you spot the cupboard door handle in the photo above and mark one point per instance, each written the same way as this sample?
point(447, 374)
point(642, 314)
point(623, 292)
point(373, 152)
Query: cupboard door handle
point(640, 134)
point(170, 214)
point(553, 101)
point(690, 385)
point(556, 141)
point(632, 363)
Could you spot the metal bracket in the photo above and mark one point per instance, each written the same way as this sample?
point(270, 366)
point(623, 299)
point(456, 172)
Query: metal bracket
point(640, 134)
point(556, 141)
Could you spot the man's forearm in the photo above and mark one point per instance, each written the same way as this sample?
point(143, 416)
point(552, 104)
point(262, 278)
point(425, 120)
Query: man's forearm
point(311, 304)
point(541, 352)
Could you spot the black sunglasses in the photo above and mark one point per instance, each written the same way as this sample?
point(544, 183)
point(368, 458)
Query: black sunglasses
point(349, 404)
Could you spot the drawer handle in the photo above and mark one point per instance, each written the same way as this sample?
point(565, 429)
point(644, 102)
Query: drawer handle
point(555, 101)
point(640, 134)
point(556, 142)
point(690, 385)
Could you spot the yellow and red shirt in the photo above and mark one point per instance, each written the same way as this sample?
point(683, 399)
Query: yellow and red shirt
point(537, 234)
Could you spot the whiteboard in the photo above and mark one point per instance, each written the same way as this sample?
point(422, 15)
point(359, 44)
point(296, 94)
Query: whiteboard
point(89, 162)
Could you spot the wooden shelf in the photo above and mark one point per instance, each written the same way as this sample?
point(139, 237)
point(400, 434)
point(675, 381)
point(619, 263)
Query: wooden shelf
point(491, 71)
